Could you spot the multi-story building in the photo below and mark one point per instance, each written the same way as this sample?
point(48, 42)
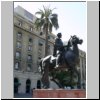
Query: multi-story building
point(29, 47)
point(82, 68)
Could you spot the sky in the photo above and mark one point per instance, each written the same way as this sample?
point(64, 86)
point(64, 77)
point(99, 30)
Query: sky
point(72, 18)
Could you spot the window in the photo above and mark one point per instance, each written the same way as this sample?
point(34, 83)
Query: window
point(31, 29)
point(41, 33)
point(30, 41)
point(48, 37)
point(16, 84)
point(39, 58)
point(20, 23)
point(28, 86)
point(29, 67)
point(29, 57)
point(18, 55)
point(18, 44)
point(40, 44)
point(30, 48)
point(38, 84)
point(17, 65)
point(40, 48)
point(19, 35)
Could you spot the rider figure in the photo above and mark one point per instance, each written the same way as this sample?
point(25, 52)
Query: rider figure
point(58, 46)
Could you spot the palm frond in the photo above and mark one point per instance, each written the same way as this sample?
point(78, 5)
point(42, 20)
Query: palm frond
point(41, 13)
point(39, 23)
point(47, 19)
point(54, 20)
point(53, 9)
point(38, 12)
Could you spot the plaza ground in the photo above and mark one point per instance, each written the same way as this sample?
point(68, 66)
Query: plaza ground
point(22, 95)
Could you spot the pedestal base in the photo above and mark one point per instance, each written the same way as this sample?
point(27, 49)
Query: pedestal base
point(58, 93)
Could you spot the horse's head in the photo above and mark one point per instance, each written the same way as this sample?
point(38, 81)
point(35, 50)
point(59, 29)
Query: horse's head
point(75, 40)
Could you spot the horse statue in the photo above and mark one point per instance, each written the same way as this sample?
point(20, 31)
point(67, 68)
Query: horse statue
point(70, 60)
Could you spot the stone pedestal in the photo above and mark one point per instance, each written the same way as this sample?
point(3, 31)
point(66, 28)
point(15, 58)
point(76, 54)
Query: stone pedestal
point(58, 93)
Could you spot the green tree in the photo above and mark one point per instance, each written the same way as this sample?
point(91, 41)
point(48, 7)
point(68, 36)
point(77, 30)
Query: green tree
point(62, 78)
point(46, 22)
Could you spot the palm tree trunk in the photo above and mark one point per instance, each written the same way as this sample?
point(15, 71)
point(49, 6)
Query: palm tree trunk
point(46, 42)
point(45, 77)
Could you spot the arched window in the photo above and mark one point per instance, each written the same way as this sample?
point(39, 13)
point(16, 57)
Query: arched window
point(38, 84)
point(16, 84)
point(28, 85)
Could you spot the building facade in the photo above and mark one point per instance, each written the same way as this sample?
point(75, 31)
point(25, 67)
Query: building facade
point(29, 48)
point(82, 68)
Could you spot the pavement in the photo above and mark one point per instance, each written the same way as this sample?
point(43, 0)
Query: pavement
point(22, 95)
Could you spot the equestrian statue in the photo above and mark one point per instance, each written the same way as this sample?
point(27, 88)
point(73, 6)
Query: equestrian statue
point(63, 58)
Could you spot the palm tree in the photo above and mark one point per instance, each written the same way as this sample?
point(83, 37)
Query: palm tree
point(46, 22)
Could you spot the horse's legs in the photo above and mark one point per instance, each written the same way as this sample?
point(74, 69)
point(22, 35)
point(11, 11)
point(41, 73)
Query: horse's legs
point(71, 77)
point(73, 70)
point(78, 74)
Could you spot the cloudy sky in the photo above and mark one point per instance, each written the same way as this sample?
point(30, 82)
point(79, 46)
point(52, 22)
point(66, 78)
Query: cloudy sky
point(72, 18)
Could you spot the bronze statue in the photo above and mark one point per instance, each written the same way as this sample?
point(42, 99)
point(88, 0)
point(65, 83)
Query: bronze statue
point(70, 60)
